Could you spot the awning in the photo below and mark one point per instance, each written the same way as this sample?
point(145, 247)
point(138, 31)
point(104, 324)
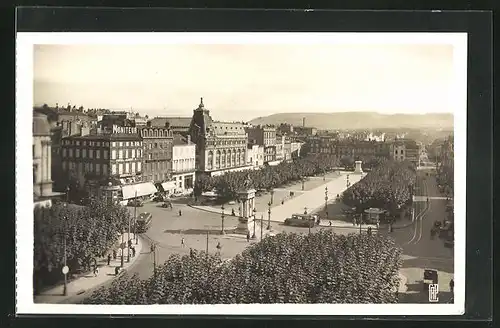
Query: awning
point(169, 185)
point(142, 189)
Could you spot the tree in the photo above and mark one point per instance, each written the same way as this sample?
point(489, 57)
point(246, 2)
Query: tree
point(288, 268)
point(88, 231)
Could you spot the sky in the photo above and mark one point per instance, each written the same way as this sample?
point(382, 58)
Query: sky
point(244, 81)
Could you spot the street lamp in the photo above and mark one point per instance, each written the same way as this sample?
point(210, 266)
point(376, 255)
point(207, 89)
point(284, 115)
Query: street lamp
point(253, 236)
point(65, 269)
point(302, 183)
point(269, 216)
point(326, 202)
point(272, 195)
point(222, 217)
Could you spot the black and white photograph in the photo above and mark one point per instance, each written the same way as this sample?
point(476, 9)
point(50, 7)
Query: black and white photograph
point(241, 173)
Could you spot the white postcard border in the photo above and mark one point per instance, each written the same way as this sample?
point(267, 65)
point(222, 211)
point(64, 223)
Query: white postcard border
point(24, 196)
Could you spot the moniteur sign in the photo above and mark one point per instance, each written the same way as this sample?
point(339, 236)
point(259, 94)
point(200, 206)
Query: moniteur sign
point(124, 129)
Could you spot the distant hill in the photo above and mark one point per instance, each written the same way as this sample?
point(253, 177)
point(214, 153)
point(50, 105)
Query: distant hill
point(359, 120)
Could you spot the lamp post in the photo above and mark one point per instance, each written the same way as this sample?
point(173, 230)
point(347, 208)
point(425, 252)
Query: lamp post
point(65, 269)
point(272, 195)
point(253, 236)
point(302, 178)
point(122, 248)
point(222, 217)
point(135, 221)
point(326, 202)
point(269, 216)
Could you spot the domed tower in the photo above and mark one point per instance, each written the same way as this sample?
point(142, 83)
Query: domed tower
point(199, 130)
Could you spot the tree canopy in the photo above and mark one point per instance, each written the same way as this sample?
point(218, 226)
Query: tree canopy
point(287, 268)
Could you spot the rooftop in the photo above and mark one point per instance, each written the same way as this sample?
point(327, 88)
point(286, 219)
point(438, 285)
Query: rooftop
point(106, 137)
point(175, 122)
point(41, 126)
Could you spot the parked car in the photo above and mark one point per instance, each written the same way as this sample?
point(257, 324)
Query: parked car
point(135, 203)
point(430, 277)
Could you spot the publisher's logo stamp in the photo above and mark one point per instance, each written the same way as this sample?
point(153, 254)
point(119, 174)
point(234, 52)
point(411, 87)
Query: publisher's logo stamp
point(433, 293)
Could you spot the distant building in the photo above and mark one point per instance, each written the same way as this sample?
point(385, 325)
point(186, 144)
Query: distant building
point(42, 155)
point(184, 163)
point(280, 148)
point(220, 146)
point(285, 128)
point(255, 156)
point(264, 135)
point(178, 125)
point(405, 150)
point(305, 131)
point(158, 143)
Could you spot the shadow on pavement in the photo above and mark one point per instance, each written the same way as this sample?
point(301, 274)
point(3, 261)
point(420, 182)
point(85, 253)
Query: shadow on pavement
point(198, 231)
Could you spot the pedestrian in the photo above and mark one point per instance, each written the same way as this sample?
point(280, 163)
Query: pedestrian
point(282, 201)
point(218, 247)
point(152, 248)
point(248, 236)
point(133, 251)
point(191, 253)
point(369, 230)
point(452, 285)
point(182, 242)
point(96, 270)
point(232, 212)
point(129, 243)
point(109, 259)
point(114, 254)
point(180, 213)
point(330, 223)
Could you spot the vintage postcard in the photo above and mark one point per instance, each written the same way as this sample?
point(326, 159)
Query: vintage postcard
point(241, 173)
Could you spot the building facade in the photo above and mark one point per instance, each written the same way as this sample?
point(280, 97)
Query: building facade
point(405, 150)
point(158, 143)
point(220, 146)
point(255, 156)
point(264, 135)
point(178, 125)
point(42, 166)
point(184, 163)
point(92, 159)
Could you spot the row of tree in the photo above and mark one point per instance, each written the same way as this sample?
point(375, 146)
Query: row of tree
point(228, 185)
point(82, 233)
point(388, 186)
point(288, 268)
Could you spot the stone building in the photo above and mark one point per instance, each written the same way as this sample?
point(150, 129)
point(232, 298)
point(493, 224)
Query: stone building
point(220, 146)
point(264, 135)
point(158, 142)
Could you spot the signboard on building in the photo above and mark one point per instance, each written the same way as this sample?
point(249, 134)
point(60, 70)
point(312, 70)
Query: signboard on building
point(124, 129)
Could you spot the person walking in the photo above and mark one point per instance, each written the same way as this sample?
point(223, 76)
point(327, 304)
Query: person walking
point(96, 270)
point(109, 258)
point(133, 251)
point(114, 254)
point(219, 247)
point(180, 213)
point(330, 223)
point(248, 236)
point(182, 242)
point(452, 285)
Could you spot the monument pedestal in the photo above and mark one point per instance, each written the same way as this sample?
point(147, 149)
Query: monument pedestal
point(358, 169)
point(246, 220)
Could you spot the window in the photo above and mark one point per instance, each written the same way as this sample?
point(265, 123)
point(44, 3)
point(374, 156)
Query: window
point(113, 168)
point(120, 168)
point(105, 169)
point(91, 167)
point(139, 166)
point(113, 154)
point(78, 143)
point(98, 168)
point(126, 143)
point(98, 153)
point(113, 144)
point(85, 143)
point(77, 153)
point(64, 165)
point(91, 153)
point(133, 153)
point(120, 153)
point(120, 144)
point(105, 154)
point(71, 152)
point(63, 151)
point(126, 167)
point(84, 153)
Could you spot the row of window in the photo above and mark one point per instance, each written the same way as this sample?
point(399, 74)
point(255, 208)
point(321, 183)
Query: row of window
point(230, 159)
point(102, 143)
point(183, 164)
point(226, 142)
point(155, 133)
point(126, 154)
point(97, 168)
point(126, 168)
point(158, 155)
point(160, 145)
point(156, 166)
point(85, 153)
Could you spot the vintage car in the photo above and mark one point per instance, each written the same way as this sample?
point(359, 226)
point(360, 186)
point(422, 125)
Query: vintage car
point(301, 220)
point(430, 277)
point(135, 203)
point(144, 222)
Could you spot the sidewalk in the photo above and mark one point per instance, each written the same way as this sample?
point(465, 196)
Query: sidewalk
point(312, 199)
point(82, 284)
